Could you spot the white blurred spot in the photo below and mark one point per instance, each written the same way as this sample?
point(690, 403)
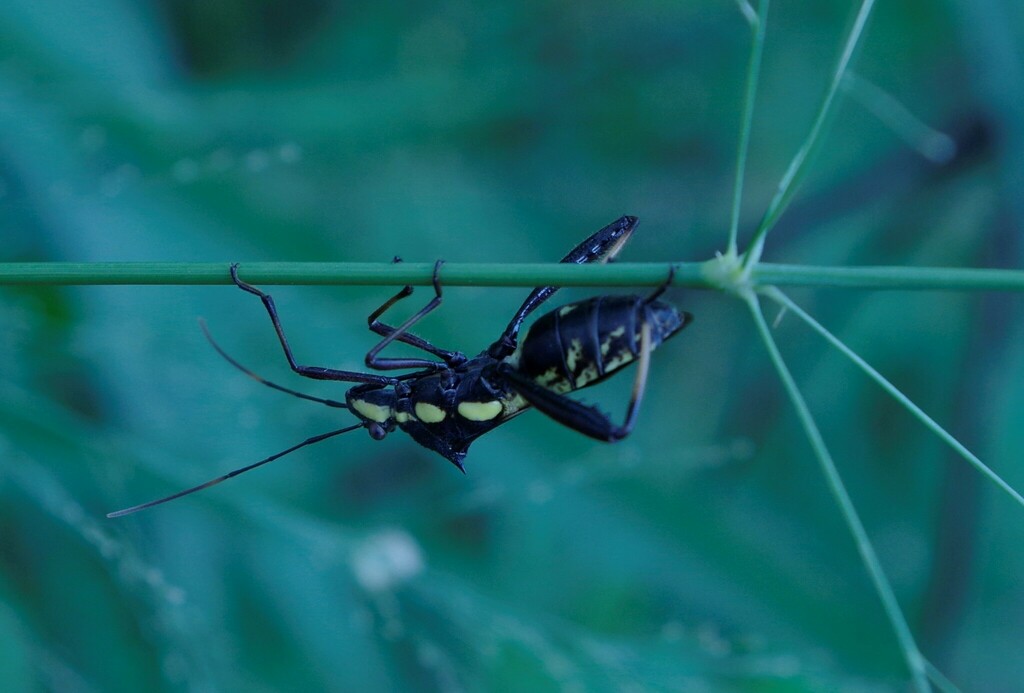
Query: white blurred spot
point(175, 596)
point(386, 559)
point(575, 475)
point(711, 640)
point(220, 160)
point(673, 631)
point(115, 182)
point(361, 620)
point(540, 492)
point(742, 449)
point(249, 418)
point(783, 666)
point(257, 160)
point(185, 170)
point(175, 667)
point(289, 153)
point(92, 139)
point(429, 655)
point(938, 147)
point(433, 44)
point(392, 631)
point(60, 190)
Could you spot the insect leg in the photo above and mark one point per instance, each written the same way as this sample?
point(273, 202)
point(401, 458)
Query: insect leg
point(586, 419)
point(661, 288)
point(451, 358)
point(401, 333)
point(315, 372)
point(601, 247)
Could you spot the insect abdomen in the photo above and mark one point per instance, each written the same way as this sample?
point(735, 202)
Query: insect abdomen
point(582, 343)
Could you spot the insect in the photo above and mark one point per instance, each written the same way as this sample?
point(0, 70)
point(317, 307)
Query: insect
point(449, 401)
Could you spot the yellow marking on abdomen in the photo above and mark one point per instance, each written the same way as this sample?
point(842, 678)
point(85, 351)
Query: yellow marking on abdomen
point(573, 354)
point(479, 411)
point(606, 345)
point(553, 380)
point(514, 403)
point(587, 376)
point(625, 356)
point(371, 411)
point(429, 413)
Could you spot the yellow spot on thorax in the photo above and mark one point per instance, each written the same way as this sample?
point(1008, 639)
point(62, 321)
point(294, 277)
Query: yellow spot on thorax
point(371, 411)
point(479, 411)
point(429, 413)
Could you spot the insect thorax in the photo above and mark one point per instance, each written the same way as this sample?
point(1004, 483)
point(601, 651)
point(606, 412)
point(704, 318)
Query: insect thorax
point(443, 411)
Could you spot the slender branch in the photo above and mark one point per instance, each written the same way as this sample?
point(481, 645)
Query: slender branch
point(758, 21)
point(918, 413)
point(915, 662)
point(692, 274)
point(894, 277)
point(798, 166)
point(353, 273)
point(748, 12)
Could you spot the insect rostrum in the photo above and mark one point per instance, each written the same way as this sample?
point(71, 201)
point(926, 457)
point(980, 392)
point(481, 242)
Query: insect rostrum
point(448, 401)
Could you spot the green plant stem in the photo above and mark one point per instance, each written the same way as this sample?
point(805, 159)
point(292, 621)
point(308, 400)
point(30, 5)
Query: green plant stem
point(883, 277)
point(758, 21)
point(798, 166)
point(915, 662)
point(905, 401)
point(692, 274)
point(939, 679)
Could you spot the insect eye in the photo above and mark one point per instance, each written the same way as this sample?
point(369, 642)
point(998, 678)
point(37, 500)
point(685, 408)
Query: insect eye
point(377, 431)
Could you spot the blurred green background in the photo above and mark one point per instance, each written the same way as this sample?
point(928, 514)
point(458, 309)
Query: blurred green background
point(703, 553)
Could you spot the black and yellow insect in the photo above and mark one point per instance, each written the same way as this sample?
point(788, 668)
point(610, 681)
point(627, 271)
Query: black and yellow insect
point(449, 401)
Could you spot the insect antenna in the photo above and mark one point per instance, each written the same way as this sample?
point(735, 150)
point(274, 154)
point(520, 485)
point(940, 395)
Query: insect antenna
point(260, 379)
point(241, 470)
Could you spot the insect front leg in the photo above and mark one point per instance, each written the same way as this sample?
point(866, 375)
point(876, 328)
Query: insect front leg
point(451, 358)
point(401, 333)
point(601, 247)
point(315, 372)
point(588, 420)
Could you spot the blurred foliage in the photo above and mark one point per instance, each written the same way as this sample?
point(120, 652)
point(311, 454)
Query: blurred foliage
point(701, 553)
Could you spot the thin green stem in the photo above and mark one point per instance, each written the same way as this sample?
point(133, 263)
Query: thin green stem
point(353, 273)
point(895, 277)
point(797, 167)
point(915, 661)
point(939, 679)
point(937, 147)
point(758, 25)
point(783, 300)
point(707, 275)
point(747, 11)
